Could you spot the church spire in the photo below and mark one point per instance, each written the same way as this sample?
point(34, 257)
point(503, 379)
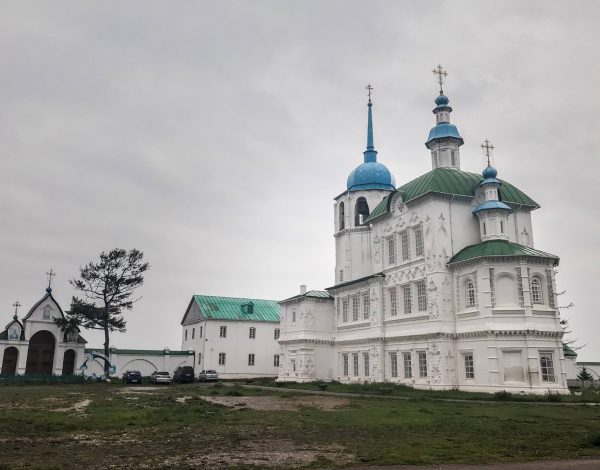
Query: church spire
point(370, 154)
point(444, 140)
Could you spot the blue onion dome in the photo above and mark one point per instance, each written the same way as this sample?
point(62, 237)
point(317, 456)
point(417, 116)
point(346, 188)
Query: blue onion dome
point(371, 175)
point(489, 173)
point(49, 290)
point(442, 100)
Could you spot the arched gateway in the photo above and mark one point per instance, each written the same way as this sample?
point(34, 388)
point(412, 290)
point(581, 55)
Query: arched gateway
point(9, 362)
point(40, 355)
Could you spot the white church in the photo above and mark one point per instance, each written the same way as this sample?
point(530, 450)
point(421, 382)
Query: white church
point(438, 284)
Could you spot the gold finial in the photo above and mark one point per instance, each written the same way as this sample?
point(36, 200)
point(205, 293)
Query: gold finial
point(487, 149)
point(50, 274)
point(441, 75)
point(16, 305)
point(370, 89)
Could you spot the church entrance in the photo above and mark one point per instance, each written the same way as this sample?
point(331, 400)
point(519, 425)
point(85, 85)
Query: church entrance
point(68, 362)
point(9, 363)
point(40, 355)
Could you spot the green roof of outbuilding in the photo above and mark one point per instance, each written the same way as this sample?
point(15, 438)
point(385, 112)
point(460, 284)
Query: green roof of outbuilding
point(498, 248)
point(568, 351)
point(311, 294)
point(454, 182)
point(230, 308)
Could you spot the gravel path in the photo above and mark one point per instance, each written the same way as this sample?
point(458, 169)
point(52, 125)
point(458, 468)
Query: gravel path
point(579, 464)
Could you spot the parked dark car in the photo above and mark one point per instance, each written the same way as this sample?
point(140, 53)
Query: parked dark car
point(132, 377)
point(208, 375)
point(184, 374)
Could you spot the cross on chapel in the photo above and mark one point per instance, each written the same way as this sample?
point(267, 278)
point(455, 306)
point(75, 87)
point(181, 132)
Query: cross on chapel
point(16, 305)
point(441, 75)
point(370, 89)
point(50, 275)
point(487, 149)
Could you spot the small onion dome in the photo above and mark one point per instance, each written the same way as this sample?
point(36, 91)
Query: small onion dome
point(371, 175)
point(489, 173)
point(442, 100)
point(49, 289)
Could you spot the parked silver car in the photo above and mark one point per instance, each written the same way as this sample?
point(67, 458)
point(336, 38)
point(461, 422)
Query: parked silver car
point(160, 377)
point(208, 375)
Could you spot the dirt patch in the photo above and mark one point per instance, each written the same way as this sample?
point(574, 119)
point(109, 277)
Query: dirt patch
point(274, 403)
point(78, 407)
point(182, 399)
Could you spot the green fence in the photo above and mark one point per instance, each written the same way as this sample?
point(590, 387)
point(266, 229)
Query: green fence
point(41, 379)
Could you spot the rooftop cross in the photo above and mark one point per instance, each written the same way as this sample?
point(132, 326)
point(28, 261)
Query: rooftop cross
point(487, 149)
point(50, 275)
point(16, 305)
point(441, 75)
point(370, 89)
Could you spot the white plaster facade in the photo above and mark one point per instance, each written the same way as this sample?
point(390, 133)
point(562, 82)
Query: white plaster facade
point(144, 361)
point(422, 295)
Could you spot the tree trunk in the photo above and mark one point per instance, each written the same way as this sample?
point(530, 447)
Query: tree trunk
point(106, 348)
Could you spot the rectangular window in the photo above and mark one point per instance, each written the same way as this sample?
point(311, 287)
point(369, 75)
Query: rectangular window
point(407, 365)
point(276, 333)
point(547, 366)
point(355, 363)
point(406, 292)
point(469, 366)
point(484, 229)
point(200, 333)
point(223, 332)
point(345, 359)
point(221, 359)
point(193, 332)
point(393, 302)
point(293, 317)
point(293, 361)
point(252, 333)
point(276, 360)
point(341, 275)
point(419, 246)
point(366, 306)
point(405, 245)
point(453, 157)
point(250, 359)
point(199, 358)
point(391, 250)
point(355, 307)
point(422, 364)
point(501, 227)
point(186, 334)
point(394, 364)
point(345, 311)
point(366, 363)
point(421, 296)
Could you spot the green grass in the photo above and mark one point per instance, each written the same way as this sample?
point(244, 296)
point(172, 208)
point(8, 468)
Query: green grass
point(135, 426)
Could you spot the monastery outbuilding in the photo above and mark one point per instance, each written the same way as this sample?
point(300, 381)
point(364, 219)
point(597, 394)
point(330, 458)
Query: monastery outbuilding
point(438, 283)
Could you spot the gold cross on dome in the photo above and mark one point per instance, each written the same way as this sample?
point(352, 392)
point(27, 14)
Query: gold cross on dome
point(441, 75)
point(50, 274)
point(16, 305)
point(370, 89)
point(487, 149)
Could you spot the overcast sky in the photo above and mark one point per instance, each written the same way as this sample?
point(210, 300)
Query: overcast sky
point(213, 136)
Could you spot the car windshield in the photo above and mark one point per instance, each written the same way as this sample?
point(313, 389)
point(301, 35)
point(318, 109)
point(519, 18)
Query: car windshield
point(211, 371)
point(162, 373)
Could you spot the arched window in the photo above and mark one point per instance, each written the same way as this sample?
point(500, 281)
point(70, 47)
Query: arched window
point(470, 293)
point(537, 296)
point(342, 216)
point(361, 212)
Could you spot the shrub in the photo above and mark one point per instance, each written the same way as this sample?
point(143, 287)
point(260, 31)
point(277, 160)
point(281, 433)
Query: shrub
point(553, 396)
point(322, 385)
point(503, 395)
point(234, 393)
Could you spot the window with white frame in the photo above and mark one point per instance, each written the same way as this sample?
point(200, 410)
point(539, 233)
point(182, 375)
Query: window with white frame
point(407, 299)
point(355, 307)
point(345, 364)
point(405, 245)
point(394, 364)
point(422, 364)
point(537, 295)
point(251, 358)
point(407, 365)
point(355, 364)
point(276, 333)
point(223, 332)
point(391, 250)
point(419, 245)
point(345, 311)
point(366, 306)
point(421, 296)
point(366, 363)
point(470, 293)
point(276, 360)
point(252, 333)
point(469, 366)
point(222, 358)
point(193, 332)
point(547, 366)
point(393, 302)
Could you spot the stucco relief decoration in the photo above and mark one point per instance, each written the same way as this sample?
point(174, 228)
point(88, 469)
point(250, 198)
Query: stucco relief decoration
point(374, 300)
point(388, 228)
point(525, 240)
point(414, 218)
point(434, 356)
point(307, 367)
point(450, 363)
point(446, 296)
point(432, 300)
point(309, 319)
point(377, 248)
point(375, 363)
point(46, 312)
point(436, 238)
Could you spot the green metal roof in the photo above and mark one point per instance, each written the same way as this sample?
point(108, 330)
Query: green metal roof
point(568, 352)
point(498, 248)
point(232, 308)
point(454, 182)
point(313, 294)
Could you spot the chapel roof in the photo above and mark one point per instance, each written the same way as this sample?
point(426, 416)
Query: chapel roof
point(311, 294)
point(452, 182)
point(235, 308)
point(498, 249)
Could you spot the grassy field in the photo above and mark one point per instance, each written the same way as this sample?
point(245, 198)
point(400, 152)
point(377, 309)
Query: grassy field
point(110, 425)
